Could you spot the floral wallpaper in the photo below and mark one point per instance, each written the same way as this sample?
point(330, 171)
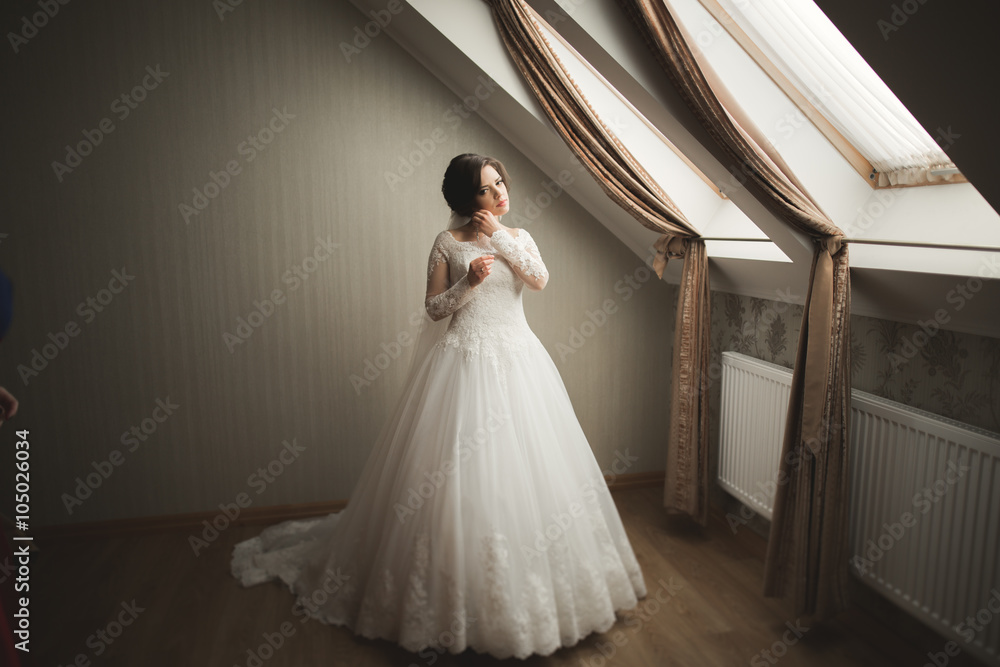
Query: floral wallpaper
point(955, 375)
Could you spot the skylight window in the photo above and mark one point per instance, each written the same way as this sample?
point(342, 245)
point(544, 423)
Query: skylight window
point(808, 51)
point(693, 193)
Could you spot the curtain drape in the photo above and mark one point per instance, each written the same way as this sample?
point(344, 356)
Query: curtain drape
point(807, 548)
point(686, 484)
point(630, 186)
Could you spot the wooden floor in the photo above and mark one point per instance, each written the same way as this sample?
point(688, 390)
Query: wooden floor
point(190, 611)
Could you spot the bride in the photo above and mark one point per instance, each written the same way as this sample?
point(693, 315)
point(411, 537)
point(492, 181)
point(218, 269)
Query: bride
point(481, 519)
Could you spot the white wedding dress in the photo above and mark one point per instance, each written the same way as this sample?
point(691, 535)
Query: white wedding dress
point(481, 518)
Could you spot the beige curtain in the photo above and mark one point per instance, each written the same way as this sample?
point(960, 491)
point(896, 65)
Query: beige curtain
point(625, 181)
point(686, 485)
point(807, 549)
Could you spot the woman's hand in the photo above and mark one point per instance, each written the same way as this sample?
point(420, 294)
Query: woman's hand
point(479, 268)
point(484, 222)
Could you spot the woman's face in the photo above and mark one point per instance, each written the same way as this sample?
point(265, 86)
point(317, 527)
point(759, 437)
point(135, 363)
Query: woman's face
point(492, 194)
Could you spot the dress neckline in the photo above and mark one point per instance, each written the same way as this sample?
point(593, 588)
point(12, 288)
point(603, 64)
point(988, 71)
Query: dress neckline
point(448, 231)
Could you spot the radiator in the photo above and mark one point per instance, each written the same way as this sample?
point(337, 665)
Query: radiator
point(924, 505)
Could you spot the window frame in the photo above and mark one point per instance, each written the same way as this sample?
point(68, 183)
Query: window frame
point(858, 162)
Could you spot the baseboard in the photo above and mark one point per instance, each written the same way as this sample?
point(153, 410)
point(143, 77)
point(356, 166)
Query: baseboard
point(635, 480)
point(145, 525)
point(250, 515)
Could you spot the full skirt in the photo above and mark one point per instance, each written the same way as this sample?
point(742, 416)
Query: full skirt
point(481, 519)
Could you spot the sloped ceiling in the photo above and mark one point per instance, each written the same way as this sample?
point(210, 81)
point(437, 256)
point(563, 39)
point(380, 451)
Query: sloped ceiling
point(457, 42)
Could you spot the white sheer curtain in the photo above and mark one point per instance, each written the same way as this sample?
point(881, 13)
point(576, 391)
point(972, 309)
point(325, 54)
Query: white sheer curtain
point(802, 42)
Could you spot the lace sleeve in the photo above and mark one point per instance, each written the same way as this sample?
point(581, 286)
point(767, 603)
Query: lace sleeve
point(442, 298)
point(523, 256)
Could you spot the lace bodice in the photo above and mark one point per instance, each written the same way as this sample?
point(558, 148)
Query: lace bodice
point(488, 319)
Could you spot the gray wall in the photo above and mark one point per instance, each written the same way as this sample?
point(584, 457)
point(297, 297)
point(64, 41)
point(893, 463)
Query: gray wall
point(161, 336)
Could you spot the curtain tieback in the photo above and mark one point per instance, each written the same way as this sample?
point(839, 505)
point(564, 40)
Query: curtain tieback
point(668, 246)
point(832, 244)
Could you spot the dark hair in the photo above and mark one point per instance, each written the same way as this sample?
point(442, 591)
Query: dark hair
point(462, 180)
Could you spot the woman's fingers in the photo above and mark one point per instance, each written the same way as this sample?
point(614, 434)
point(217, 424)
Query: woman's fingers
point(479, 268)
point(475, 277)
point(485, 222)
